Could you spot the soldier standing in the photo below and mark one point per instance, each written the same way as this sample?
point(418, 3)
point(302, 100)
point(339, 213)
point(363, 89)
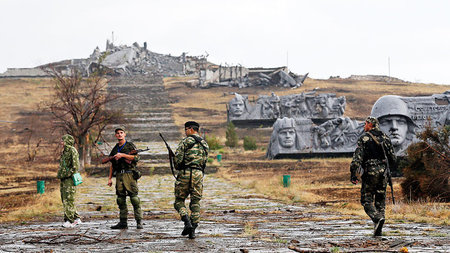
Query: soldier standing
point(123, 165)
point(69, 164)
point(190, 161)
point(373, 148)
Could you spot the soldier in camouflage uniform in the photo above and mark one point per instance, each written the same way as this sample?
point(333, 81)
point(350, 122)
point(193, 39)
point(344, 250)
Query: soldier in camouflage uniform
point(370, 158)
point(126, 183)
point(69, 164)
point(190, 161)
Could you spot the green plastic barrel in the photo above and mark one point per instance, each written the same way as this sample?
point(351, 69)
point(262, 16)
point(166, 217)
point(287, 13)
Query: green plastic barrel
point(286, 180)
point(41, 186)
point(219, 158)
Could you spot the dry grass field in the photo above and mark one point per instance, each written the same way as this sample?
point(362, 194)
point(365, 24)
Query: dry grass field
point(23, 127)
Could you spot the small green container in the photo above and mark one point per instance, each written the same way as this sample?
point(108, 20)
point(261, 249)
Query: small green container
point(286, 180)
point(41, 186)
point(219, 158)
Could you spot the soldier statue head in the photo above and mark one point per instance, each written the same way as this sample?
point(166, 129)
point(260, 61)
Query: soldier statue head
point(238, 106)
point(395, 120)
point(284, 138)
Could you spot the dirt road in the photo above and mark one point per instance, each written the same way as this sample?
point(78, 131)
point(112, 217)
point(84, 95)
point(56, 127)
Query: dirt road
point(233, 220)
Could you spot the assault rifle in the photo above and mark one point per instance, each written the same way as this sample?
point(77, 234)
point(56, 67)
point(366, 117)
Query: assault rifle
point(387, 173)
point(132, 152)
point(171, 156)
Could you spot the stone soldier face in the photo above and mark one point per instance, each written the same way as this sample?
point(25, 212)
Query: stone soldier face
point(396, 127)
point(286, 137)
point(237, 107)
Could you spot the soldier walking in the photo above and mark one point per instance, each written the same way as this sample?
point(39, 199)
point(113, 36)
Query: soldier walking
point(373, 154)
point(69, 164)
point(190, 161)
point(126, 184)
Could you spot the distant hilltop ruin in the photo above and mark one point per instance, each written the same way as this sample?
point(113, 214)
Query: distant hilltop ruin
point(374, 78)
point(138, 60)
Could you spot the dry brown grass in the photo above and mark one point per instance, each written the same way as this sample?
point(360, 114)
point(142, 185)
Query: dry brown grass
point(40, 207)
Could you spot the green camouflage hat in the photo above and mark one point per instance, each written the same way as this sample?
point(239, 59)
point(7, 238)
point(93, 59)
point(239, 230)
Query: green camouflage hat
point(120, 128)
point(374, 121)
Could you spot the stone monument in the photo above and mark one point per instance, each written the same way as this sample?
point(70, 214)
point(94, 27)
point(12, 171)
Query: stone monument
point(400, 118)
point(267, 109)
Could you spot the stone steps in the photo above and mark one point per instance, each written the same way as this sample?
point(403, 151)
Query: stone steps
point(146, 109)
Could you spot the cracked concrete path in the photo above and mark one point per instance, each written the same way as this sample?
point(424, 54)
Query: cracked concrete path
point(234, 219)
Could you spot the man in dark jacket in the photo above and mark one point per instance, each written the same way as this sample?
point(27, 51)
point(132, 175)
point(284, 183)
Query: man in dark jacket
point(123, 166)
point(374, 149)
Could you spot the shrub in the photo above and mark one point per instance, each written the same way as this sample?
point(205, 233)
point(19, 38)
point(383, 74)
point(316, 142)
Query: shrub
point(249, 143)
point(213, 142)
point(231, 135)
point(427, 166)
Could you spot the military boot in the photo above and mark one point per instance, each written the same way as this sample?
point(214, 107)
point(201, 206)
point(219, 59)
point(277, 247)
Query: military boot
point(192, 233)
point(139, 224)
point(378, 227)
point(121, 225)
point(187, 225)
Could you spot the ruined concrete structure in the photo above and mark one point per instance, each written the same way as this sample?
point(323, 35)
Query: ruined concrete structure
point(117, 60)
point(400, 118)
point(241, 77)
point(136, 60)
point(317, 107)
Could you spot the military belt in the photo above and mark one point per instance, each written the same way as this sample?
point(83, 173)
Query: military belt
point(124, 171)
point(193, 168)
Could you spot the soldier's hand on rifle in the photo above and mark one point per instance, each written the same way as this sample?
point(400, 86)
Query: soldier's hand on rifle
point(118, 156)
point(109, 182)
point(354, 179)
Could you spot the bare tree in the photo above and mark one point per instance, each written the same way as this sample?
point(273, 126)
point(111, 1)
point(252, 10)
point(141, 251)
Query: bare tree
point(79, 106)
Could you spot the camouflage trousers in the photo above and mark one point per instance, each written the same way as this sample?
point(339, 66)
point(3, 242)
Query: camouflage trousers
point(185, 186)
point(373, 192)
point(68, 191)
point(127, 185)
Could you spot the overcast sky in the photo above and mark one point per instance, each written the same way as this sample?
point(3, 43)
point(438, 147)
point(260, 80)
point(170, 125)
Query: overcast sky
point(324, 38)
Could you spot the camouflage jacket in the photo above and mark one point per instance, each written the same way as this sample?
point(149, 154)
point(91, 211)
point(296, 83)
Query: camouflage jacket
point(368, 152)
point(191, 157)
point(121, 164)
point(69, 162)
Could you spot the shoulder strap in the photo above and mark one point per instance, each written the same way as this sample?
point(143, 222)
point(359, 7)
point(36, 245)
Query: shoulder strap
point(381, 144)
point(374, 138)
point(199, 141)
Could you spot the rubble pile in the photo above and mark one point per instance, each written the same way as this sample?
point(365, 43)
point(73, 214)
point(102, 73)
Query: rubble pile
point(132, 60)
point(241, 77)
point(137, 60)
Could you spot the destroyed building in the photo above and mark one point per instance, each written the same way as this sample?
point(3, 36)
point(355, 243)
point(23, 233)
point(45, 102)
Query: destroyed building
point(132, 60)
point(118, 60)
point(241, 77)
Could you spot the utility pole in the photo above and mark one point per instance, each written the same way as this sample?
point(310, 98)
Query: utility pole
point(287, 60)
point(389, 69)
